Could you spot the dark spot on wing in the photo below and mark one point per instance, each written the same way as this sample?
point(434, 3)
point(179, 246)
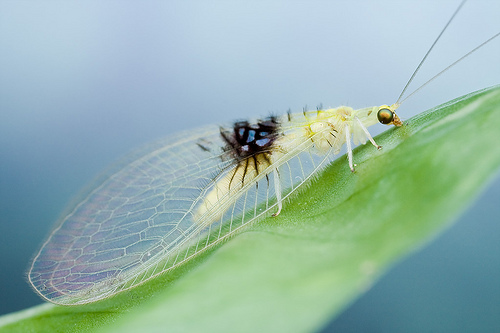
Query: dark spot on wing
point(202, 147)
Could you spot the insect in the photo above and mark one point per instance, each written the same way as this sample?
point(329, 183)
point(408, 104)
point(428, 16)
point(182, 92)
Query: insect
point(190, 191)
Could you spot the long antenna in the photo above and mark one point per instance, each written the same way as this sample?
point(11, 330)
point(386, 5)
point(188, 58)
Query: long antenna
point(399, 101)
point(450, 66)
point(429, 51)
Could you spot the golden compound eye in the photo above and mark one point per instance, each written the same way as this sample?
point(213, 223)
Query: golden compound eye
point(385, 116)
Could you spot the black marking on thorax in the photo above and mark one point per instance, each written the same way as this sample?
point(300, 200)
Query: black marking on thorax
point(247, 139)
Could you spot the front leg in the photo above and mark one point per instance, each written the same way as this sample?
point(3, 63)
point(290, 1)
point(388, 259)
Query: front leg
point(368, 135)
point(349, 148)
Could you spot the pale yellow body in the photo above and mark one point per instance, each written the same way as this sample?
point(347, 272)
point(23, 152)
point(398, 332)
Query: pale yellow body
point(320, 131)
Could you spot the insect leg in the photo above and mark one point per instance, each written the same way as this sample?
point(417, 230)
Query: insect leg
point(349, 148)
point(367, 134)
point(277, 189)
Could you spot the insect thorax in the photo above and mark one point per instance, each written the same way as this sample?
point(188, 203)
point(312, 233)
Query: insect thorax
point(247, 139)
point(250, 146)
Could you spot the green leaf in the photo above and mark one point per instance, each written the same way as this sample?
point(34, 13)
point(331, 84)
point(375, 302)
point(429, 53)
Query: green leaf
point(331, 242)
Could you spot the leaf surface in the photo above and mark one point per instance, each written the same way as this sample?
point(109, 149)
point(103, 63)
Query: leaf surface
point(331, 242)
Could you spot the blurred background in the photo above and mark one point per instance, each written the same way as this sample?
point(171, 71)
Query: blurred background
point(84, 83)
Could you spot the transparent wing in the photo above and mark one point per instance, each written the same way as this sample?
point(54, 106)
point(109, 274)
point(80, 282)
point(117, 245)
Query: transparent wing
point(141, 221)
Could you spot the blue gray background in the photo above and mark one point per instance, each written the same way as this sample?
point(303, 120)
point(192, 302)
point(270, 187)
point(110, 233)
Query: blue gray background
point(83, 83)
